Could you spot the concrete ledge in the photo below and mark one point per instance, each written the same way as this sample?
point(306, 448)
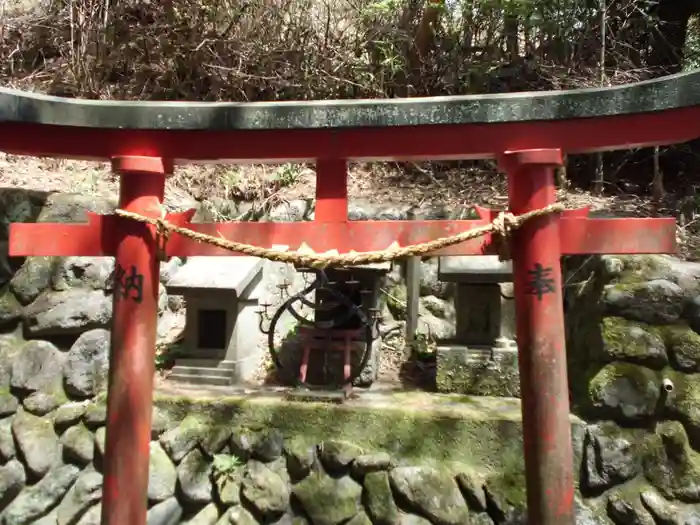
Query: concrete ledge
point(672, 92)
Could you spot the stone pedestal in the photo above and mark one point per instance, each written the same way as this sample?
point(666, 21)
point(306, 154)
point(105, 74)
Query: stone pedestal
point(483, 358)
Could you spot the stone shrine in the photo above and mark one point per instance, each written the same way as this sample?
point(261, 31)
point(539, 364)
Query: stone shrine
point(482, 359)
point(222, 343)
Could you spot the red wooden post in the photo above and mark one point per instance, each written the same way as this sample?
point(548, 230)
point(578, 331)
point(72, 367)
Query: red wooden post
point(129, 400)
point(539, 312)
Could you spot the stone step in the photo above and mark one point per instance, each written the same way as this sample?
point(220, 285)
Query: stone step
point(206, 363)
point(202, 371)
point(213, 355)
point(200, 380)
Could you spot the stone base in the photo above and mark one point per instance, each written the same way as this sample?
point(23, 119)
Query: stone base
point(478, 371)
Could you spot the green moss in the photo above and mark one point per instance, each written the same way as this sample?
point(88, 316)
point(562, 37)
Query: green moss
point(397, 300)
point(639, 269)
point(639, 378)
point(490, 379)
point(619, 344)
point(683, 344)
point(423, 426)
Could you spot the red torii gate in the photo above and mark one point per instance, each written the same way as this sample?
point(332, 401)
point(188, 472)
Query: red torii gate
point(526, 132)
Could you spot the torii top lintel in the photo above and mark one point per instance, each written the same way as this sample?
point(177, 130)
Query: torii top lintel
point(660, 111)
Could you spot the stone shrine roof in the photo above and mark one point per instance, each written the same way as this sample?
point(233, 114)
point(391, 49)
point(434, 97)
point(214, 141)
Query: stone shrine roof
point(232, 274)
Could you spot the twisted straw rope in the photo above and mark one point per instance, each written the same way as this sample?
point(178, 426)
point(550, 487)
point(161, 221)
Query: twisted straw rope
point(502, 226)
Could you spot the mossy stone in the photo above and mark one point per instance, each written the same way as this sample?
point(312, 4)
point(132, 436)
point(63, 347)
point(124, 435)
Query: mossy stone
point(632, 341)
point(625, 391)
point(684, 347)
point(379, 501)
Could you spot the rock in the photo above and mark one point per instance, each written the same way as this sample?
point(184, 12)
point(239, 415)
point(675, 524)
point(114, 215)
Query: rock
point(12, 481)
point(215, 440)
point(50, 519)
point(78, 445)
point(168, 268)
point(660, 509)
point(70, 312)
point(10, 310)
point(240, 516)
point(300, 458)
point(379, 501)
point(328, 501)
point(37, 443)
point(162, 476)
point(7, 442)
point(42, 403)
point(82, 272)
point(412, 519)
point(670, 464)
point(634, 342)
point(472, 487)
point(32, 278)
point(241, 443)
point(87, 364)
point(182, 439)
point(269, 446)
point(209, 515)
point(684, 348)
point(438, 307)
point(609, 458)
point(292, 211)
point(336, 456)
point(265, 490)
point(93, 516)
point(367, 463)
point(623, 512)
point(167, 512)
point(194, 475)
point(37, 367)
point(654, 302)
point(360, 519)
point(484, 519)
point(8, 404)
point(86, 491)
point(100, 442)
point(159, 423)
point(429, 282)
point(38, 499)
point(69, 414)
point(435, 328)
point(432, 491)
point(95, 415)
point(625, 391)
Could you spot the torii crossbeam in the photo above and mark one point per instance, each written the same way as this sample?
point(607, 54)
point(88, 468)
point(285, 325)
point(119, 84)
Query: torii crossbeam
point(525, 132)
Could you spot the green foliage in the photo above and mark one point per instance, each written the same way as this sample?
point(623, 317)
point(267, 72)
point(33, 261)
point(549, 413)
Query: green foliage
point(225, 466)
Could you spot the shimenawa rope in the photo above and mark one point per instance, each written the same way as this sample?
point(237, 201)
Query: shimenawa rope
point(502, 226)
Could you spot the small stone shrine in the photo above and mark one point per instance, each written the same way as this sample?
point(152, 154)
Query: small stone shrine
point(222, 343)
point(482, 359)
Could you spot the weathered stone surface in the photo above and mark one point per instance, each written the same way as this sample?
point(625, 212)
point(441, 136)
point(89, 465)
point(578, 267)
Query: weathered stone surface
point(215, 440)
point(265, 490)
point(241, 443)
point(10, 310)
point(7, 441)
point(12, 481)
point(37, 442)
point(609, 457)
point(86, 491)
point(379, 501)
point(655, 302)
point(8, 404)
point(42, 403)
point(227, 474)
point(159, 423)
point(69, 414)
point(360, 519)
point(37, 367)
point(432, 491)
point(167, 512)
point(194, 475)
point(93, 516)
point(32, 278)
point(69, 312)
point(87, 364)
point(162, 476)
point(300, 458)
point(240, 516)
point(268, 446)
point(624, 512)
point(38, 499)
point(472, 487)
point(209, 515)
point(634, 342)
point(100, 440)
point(413, 519)
point(182, 439)
point(366, 463)
point(336, 455)
point(625, 391)
point(684, 348)
point(328, 501)
point(82, 272)
point(95, 415)
point(671, 465)
point(78, 445)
